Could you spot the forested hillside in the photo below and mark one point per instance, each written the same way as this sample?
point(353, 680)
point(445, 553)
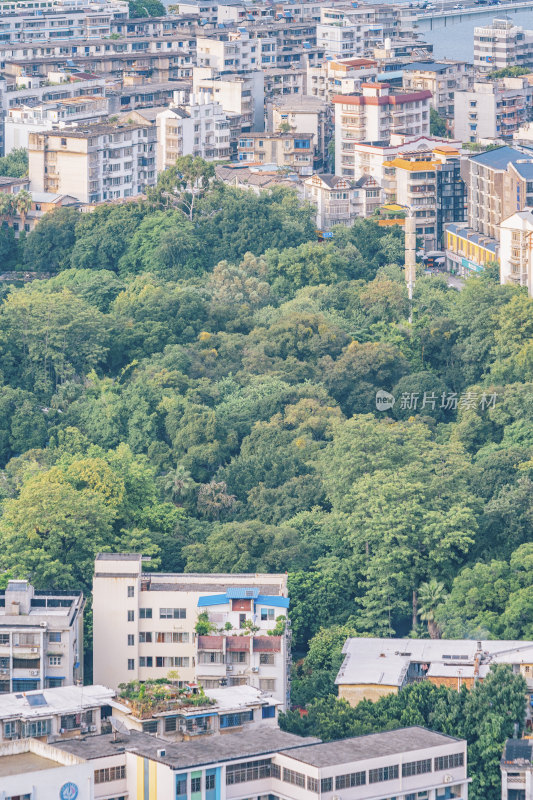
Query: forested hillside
point(197, 381)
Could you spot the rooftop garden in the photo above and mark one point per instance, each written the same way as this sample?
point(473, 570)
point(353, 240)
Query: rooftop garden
point(155, 696)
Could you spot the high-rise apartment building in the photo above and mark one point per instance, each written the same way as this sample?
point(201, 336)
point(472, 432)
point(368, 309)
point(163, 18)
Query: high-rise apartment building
point(442, 79)
point(41, 638)
point(492, 109)
point(502, 45)
point(197, 129)
point(215, 629)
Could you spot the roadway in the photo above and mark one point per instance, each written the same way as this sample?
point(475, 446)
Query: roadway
point(445, 8)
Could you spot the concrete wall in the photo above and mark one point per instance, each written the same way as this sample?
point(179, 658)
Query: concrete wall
point(354, 694)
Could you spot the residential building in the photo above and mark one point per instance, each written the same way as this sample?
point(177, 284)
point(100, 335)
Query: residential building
point(62, 712)
point(242, 94)
point(41, 204)
point(400, 763)
point(374, 116)
point(237, 53)
point(51, 21)
point(95, 162)
point(41, 638)
point(340, 201)
point(304, 115)
point(468, 252)
point(516, 249)
point(369, 157)
point(490, 177)
point(258, 177)
point(516, 767)
point(148, 622)
point(340, 76)
point(373, 668)
point(23, 120)
point(227, 709)
point(492, 109)
point(429, 184)
point(442, 79)
point(502, 45)
point(197, 129)
point(280, 82)
point(294, 151)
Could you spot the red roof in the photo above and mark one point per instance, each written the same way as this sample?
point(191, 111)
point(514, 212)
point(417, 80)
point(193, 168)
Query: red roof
point(391, 99)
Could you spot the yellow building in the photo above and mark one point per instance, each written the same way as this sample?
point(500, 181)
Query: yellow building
point(468, 252)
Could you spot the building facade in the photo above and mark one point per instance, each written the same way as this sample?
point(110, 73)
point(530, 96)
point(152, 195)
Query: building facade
point(502, 45)
point(442, 79)
point(294, 151)
point(467, 251)
point(340, 201)
point(402, 763)
point(492, 109)
point(516, 768)
point(516, 250)
point(151, 624)
point(41, 638)
point(197, 129)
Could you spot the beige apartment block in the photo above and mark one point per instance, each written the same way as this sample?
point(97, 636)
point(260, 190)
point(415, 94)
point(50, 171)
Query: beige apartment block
point(145, 627)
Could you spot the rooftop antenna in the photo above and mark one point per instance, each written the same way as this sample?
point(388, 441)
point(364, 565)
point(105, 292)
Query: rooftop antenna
point(118, 727)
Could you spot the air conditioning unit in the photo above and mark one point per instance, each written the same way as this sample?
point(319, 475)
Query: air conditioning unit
point(92, 728)
point(43, 624)
point(34, 672)
point(34, 649)
point(448, 778)
point(229, 667)
point(85, 730)
point(255, 669)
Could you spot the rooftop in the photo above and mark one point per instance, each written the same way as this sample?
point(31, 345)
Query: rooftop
point(44, 702)
point(22, 763)
point(500, 157)
point(373, 745)
point(230, 747)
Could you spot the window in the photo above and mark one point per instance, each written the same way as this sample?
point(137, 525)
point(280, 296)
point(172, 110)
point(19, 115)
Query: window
point(312, 785)
point(53, 636)
point(54, 661)
point(172, 661)
point(326, 785)
point(235, 720)
point(209, 782)
point(109, 774)
point(383, 774)
point(416, 768)
point(236, 657)
point(38, 727)
point(267, 685)
point(145, 613)
point(131, 663)
point(251, 771)
point(172, 638)
point(196, 785)
point(131, 616)
point(172, 613)
point(352, 779)
point(4, 638)
point(449, 762)
point(131, 639)
point(70, 722)
point(146, 661)
point(296, 778)
point(131, 591)
point(267, 613)
point(150, 726)
point(268, 712)
point(63, 142)
point(145, 637)
point(181, 783)
point(267, 658)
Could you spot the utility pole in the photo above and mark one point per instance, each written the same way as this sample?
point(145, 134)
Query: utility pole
point(410, 258)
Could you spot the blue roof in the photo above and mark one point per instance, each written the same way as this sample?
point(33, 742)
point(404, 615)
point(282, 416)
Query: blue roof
point(525, 170)
point(272, 600)
point(237, 593)
point(500, 157)
point(427, 66)
point(459, 229)
point(213, 600)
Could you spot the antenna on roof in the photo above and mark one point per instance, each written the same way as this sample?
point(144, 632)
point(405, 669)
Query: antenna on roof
point(118, 727)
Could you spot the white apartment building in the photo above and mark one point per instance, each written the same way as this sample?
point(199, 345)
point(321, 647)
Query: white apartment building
point(239, 53)
point(492, 109)
point(404, 763)
point(442, 79)
point(44, 21)
point(96, 162)
point(340, 201)
point(63, 712)
point(148, 621)
point(243, 94)
point(41, 638)
point(501, 45)
point(197, 129)
point(304, 114)
point(516, 249)
point(374, 116)
point(341, 76)
point(23, 120)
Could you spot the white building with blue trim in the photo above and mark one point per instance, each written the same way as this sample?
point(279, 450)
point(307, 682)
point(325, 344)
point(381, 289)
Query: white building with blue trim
point(146, 625)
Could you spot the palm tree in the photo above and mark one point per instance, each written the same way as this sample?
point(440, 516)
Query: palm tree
point(179, 482)
point(7, 204)
point(23, 201)
point(431, 595)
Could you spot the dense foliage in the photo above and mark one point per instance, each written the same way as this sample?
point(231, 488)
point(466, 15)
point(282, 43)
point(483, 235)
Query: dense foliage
point(198, 379)
point(15, 164)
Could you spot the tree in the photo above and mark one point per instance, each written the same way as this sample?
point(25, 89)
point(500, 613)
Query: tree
point(437, 125)
point(15, 164)
point(315, 676)
point(430, 595)
point(179, 483)
point(186, 181)
point(146, 8)
point(48, 246)
point(23, 204)
point(213, 499)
